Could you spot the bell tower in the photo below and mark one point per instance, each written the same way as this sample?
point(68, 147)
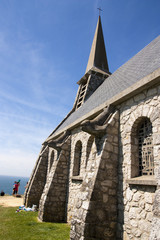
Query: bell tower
point(97, 68)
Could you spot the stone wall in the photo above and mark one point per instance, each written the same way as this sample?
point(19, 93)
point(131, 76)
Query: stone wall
point(92, 202)
point(37, 180)
point(53, 203)
point(94, 82)
point(135, 201)
point(155, 227)
point(75, 182)
point(95, 210)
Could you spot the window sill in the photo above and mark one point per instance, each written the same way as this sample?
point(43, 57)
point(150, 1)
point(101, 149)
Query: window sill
point(77, 178)
point(143, 180)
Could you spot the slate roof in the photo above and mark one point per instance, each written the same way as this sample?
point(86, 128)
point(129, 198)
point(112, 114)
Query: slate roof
point(142, 64)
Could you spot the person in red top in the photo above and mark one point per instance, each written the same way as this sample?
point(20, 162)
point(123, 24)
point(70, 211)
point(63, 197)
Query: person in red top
point(15, 187)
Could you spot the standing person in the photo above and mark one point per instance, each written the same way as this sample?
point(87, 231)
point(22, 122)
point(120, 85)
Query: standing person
point(14, 185)
point(18, 184)
point(26, 185)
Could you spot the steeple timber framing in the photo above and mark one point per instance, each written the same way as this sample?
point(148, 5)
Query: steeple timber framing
point(97, 68)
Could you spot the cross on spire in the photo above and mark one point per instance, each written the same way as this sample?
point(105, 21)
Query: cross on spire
point(100, 10)
point(97, 57)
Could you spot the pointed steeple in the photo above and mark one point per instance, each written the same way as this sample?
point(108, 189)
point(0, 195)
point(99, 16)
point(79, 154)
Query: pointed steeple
point(98, 58)
point(97, 70)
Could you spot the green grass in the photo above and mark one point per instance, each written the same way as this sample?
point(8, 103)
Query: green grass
point(25, 226)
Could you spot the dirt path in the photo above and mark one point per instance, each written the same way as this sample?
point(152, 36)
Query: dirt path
point(10, 201)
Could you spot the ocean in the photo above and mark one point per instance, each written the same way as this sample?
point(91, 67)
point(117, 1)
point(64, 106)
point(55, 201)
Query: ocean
point(6, 184)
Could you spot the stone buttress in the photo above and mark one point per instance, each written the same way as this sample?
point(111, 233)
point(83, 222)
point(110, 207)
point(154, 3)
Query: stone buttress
point(38, 179)
point(53, 202)
point(94, 213)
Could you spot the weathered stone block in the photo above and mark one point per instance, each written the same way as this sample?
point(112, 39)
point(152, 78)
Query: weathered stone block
point(132, 213)
point(137, 196)
point(148, 197)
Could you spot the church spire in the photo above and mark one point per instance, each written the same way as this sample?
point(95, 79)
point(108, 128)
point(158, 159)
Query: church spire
point(98, 56)
point(97, 69)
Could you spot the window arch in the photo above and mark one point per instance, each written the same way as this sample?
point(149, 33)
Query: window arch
point(89, 147)
point(142, 162)
point(50, 159)
point(77, 159)
point(145, 144)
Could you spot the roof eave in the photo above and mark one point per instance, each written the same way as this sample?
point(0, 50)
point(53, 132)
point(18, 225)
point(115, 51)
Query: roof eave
point(146, 82)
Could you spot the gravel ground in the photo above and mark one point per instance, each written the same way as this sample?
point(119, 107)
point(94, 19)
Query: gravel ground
point(11, 201)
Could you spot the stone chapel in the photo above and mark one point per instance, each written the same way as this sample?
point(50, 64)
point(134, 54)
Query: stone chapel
point(99, 170)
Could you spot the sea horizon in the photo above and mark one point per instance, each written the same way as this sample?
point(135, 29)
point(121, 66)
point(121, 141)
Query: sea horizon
point(6, 183)
point(14, 176)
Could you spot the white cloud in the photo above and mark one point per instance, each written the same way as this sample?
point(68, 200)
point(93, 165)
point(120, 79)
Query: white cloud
point(16, 162)
point(20, 143)
point(31, 104)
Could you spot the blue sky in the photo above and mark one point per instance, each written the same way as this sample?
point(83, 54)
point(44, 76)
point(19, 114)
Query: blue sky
point(44, 49)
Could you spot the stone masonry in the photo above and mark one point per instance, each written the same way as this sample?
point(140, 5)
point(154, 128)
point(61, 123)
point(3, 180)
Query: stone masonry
point(135, 202)
point(52, 206)
point(37, 181)
point(95, 208)
point(99, 203)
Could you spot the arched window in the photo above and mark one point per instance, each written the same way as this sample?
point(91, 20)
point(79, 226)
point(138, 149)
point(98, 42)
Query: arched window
point(50, 159)
point(142, 162)
point(89, 147)
point(77, 159)
point(145, 145)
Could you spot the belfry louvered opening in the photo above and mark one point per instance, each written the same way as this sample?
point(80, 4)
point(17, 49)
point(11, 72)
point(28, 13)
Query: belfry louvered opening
point(82, 93)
